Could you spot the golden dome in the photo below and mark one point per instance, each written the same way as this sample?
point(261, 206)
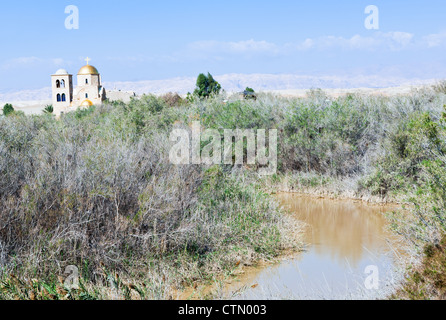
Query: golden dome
point(86, 103)
point(87, 70)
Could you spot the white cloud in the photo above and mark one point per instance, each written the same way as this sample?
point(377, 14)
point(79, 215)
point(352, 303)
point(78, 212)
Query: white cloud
point(307, 44)
point(217, 50)
point(30, 61)
point(239, 47)
point(59, 62)
point(379, 41)
point(21, 61)
point(397, 40)
point(135, 58)
point(435, 40)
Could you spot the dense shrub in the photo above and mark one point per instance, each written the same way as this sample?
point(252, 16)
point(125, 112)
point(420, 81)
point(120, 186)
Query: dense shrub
point(411, 142)
point(96, 188)
point(8, 109)
point(172, 99)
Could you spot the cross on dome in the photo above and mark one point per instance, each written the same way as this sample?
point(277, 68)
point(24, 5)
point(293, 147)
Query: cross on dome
point(88, 60)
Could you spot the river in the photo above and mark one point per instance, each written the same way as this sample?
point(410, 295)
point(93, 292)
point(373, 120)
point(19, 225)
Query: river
point(350, 254)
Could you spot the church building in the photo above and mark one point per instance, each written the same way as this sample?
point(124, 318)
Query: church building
point(88, 92)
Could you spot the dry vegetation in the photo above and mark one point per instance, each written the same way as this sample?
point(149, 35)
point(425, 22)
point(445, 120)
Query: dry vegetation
point(95, 189)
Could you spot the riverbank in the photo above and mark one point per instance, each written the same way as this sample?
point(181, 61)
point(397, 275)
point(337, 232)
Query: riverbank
point(329, 264)
point(327, 187)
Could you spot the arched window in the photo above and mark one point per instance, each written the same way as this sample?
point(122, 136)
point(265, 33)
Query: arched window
point(64, 98)
point(86, 96)
point(57, 84)
point(62, 84)
point(58, 97)
point(86, 81)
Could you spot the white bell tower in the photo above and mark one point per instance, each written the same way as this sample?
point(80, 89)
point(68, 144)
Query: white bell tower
point(62, 90)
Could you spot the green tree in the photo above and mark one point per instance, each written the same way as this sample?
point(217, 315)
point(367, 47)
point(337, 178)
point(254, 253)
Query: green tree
point(8, 109)
point(206, 86)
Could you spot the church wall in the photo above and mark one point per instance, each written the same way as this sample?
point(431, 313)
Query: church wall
point(82, 92)
point(124, 96)
point(93, 80)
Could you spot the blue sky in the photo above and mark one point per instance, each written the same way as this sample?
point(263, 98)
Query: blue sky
point(147, 40)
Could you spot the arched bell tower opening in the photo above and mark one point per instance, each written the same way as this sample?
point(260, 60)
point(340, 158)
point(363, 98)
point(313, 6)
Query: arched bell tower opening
point(62, 88)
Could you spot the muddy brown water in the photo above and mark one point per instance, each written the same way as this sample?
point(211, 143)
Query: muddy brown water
point(349, 250)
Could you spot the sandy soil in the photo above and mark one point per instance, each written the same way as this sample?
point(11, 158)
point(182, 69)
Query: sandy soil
point(340, 92)
point(28, 107)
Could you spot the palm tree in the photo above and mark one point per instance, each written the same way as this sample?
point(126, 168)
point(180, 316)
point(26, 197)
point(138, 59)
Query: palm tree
point(48, 109)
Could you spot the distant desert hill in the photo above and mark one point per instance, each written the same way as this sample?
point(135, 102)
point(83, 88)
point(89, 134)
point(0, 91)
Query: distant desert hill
point(32, 101)
point(268, 82)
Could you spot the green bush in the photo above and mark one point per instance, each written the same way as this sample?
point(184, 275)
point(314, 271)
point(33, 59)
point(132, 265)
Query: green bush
point(8, 109)
point(412, 142)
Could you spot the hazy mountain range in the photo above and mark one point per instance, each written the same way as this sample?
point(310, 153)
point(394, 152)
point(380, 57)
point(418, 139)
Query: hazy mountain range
point(234, 83)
